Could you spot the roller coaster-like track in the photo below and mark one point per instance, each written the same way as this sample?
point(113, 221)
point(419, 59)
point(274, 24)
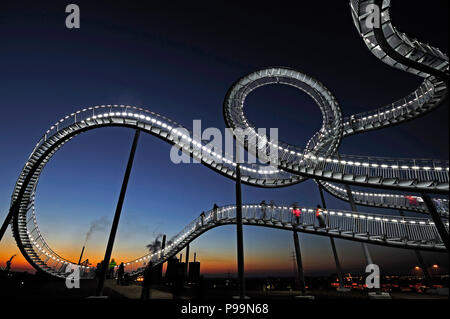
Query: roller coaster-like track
point(318, 160)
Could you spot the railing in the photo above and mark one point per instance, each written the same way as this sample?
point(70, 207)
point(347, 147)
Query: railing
point(317, 156)
point(387, 229)
point(296, 159)
point(409, 48)
point(41, 253)
point(392, 112)
point(397, 201)
point(179, 134)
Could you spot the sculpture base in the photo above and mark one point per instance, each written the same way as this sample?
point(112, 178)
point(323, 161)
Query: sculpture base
point(379, 295)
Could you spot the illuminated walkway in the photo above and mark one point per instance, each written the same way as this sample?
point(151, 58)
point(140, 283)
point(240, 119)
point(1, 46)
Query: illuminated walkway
point(318, 160)
point(403, 232)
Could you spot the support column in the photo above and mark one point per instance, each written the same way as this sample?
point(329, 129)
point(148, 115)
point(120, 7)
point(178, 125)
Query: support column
point(338, 264)
point(163, 246)
point(6, 223)
point(354, 209)
point(378, 294)
point(436, 219)
point(115, 224)
point(239, 234)
point(350, 198)
point(81, 256)
point(367, 253)
point(298, 256)
point(423, 265)
point(333, 245)
point(187, 261)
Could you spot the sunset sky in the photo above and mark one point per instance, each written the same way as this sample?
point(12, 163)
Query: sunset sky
point(179, 61)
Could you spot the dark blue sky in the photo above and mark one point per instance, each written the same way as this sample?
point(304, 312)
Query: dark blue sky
point(179, 60)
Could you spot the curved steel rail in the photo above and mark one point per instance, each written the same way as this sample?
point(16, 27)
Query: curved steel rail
point(412, 233)
point(400, 202)
point(388, 230)
point(293, 164)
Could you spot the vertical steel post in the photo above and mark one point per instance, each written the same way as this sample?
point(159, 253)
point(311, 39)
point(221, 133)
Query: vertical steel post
point(115, 224)
point(239, 234)
point(436, 219)
point(365, 247)
point(163, 246)
point(367, 253)
point(423, 265)
point(333, 245)
point(187, 260)
point(353, 205)
point(298, 256)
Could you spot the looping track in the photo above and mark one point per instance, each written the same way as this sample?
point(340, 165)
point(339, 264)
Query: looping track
point(318, 160)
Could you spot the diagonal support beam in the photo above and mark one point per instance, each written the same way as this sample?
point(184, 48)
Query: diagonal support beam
point(115, 224)
point(354, 209)
point(423, 265)
point(333, 245)
point(298, 257)
point(239, 233)
point(6, 223)
point(436, 219)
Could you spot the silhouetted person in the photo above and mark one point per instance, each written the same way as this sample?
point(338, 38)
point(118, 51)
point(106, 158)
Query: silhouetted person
point(120, 273)
point(352, 121)
point(264, 209)
point(215, 209)
point(98, 269)
point(319, 217)
point(272, 206)
point(412, 200)
point(111, 266)
point(178, 283)
point(8, 263)
point(439, 205)
point(85, 263)
point(147, 283)
point(296, 212)
point(202, 216)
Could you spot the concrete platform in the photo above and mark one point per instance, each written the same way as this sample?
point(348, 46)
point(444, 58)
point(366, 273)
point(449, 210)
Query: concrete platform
point(380, 295)
point(134, 291)
point(306, 297)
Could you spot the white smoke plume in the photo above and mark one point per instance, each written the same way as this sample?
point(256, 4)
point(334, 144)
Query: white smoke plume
point(100, 224)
